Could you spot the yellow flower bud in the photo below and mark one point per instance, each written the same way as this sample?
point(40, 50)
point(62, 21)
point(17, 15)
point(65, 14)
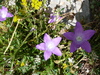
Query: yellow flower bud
point(64, 66)
point(22, 64)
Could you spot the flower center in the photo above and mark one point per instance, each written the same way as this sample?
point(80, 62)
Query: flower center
point(50, 46)
point(79, 38)
point(3, 14)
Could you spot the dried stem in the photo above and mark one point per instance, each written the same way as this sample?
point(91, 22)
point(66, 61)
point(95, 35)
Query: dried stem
point(12, 37)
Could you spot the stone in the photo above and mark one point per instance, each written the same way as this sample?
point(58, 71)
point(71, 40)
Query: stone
point(79, 9)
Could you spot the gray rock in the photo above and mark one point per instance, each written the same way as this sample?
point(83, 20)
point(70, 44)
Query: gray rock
point(79, 7)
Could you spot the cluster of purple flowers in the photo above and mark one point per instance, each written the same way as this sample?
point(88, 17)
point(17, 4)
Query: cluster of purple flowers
point(79, 37)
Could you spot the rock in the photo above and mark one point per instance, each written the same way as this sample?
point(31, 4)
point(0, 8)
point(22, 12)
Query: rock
point(79, 7)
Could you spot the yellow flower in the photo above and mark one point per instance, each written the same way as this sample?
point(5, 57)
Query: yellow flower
point(17, 63)
point(24, 3)
point(16, 18)
point(36, 4)
point(65, 66)
point(22, 64)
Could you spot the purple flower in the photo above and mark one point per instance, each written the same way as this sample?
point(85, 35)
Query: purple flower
point(79, 38)
point(53, 18)
point(32, 29)
point(4, 13)
point(49, 46)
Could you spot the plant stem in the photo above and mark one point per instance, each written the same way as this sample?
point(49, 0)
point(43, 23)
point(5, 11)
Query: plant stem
point(12, 37)
point(26, 38)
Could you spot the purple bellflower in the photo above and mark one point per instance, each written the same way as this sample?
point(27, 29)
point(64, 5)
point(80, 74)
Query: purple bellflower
point(4, 13)
point(49, 46)
point(79, 38)
point(53, 18)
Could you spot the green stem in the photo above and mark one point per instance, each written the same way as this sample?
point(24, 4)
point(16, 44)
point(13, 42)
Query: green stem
point(12, 37)
point(31, 40)
point(79, 61)
point(25, 39)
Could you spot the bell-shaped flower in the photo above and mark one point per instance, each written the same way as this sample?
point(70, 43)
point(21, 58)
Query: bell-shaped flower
point(4, 13)
point(79, 38)
point(49, 46)
point(54, 18)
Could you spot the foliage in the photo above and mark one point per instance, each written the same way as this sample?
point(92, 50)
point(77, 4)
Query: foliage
point(20, 34)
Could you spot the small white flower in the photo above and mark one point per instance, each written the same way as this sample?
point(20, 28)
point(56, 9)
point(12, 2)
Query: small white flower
point(11, 2)
point(37, 59)
point(70, 60)
point(32, 29)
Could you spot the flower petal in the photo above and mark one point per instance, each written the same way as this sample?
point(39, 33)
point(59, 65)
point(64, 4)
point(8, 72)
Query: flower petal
point(3, 12)
point(4, 9)
point(56, 41)
point(73, 47)
point(57, 51)
point(9, 15)
point(46, 37)
point(78, 28)
point(52, 16)
point(69, 35)
point(2, 19)
point(40, 46)
point(47, 55)
point(86, 46)
point(88, 34)
point(51, 21)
